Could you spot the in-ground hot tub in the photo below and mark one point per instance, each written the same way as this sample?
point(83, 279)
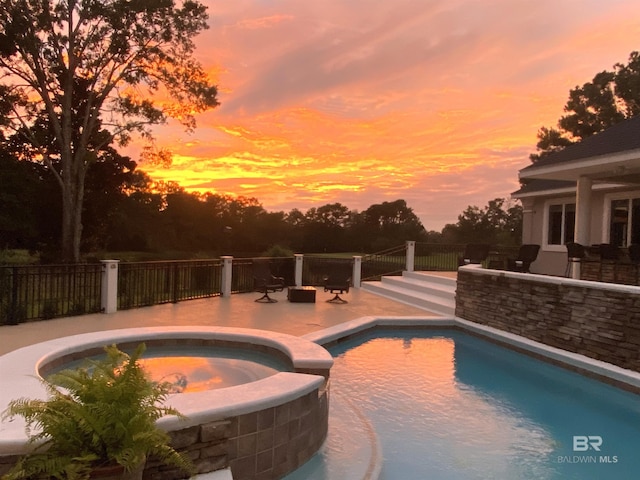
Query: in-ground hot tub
point(260, 428)
point(190, 367)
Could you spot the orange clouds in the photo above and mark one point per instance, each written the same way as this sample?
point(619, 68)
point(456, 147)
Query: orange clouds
point(435, 102)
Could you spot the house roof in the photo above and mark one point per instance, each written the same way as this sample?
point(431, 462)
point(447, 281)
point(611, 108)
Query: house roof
point(611, 155)
point(535, 186)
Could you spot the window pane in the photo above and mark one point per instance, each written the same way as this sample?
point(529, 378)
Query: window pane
point(555, 225)
point(635, 220)
point(569, 222)
point(619, 219)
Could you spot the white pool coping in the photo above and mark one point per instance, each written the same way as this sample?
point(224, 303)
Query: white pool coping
point(20, 372)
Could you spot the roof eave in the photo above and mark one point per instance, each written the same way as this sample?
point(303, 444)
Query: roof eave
point(597, 167)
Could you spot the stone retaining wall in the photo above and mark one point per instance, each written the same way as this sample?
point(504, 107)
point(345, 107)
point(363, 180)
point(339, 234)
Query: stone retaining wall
point(598, 320)
point(261, 445)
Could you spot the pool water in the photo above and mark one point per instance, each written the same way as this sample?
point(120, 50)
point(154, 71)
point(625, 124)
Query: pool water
point(195, 369)
point(446, 405)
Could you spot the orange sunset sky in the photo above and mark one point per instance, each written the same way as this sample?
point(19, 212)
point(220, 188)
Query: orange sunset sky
point(437, 102)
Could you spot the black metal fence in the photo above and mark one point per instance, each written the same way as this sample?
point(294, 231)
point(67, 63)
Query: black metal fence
point(48, 291)
point(242, 272)
point(387, 262)
point(437, 257)
point(142, 284)
point(315, 269)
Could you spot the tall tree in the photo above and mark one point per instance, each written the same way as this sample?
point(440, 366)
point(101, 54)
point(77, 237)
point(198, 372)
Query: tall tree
point(610, 97)
point(96, 71)
point(499, 222)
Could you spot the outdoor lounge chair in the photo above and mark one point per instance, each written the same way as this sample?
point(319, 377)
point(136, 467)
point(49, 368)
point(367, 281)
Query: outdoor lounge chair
point(338, 280)
point(526, 256)
point(474, 253)
point(265, 282)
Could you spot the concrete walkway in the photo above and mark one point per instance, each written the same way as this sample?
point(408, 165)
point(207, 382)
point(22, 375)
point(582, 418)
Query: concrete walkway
point(239, 310)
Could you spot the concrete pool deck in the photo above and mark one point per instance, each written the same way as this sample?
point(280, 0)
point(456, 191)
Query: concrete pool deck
point(240, 310)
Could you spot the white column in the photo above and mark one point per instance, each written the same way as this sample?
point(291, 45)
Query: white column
point(583, 218)
point(583, 211)
point(356, 277)
point(411, 256)
point(109, 287)
point(298, 268)
point(227, 272)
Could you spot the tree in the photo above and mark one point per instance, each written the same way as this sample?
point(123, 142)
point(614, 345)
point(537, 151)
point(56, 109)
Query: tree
point(499, 222)
point(391, 224)
point(611, 97)
point(77, 75)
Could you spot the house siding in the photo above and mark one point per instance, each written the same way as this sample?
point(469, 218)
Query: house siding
point(552, 260)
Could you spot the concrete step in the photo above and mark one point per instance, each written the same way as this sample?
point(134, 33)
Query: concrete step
point(432, 278)
point(429, 292)
point(422, 285)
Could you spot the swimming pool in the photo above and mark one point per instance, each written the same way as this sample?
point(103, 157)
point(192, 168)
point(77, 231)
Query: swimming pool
point(448, 405)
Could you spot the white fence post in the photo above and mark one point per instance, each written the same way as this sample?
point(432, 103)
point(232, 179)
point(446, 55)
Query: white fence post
point(109, 287)
point(298, 269)
point(357, 271)
point(411, 255)
point(227, 272)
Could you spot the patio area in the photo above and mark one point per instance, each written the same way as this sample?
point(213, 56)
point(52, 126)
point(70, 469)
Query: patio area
point(240, 310)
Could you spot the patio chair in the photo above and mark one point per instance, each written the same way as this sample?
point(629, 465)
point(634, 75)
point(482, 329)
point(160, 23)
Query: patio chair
point(264, 282)
point(526, 256)
point(575, 254)
point(338, 280)
point(474, 253)
point(609, 255)
point(634, 257)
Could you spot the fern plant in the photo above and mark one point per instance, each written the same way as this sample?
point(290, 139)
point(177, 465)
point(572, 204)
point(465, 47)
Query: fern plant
point(98, 415)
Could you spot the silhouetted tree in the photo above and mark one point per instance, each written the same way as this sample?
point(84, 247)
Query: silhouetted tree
point(499, 222)
point(609, 98)
point(84, 66)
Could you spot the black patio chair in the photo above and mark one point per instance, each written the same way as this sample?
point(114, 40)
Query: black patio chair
point(634, 257)
point(474, 253)
point(575, 254)
point(609, 255)
point(526, 256)
point(337, 280)
point(264, 282)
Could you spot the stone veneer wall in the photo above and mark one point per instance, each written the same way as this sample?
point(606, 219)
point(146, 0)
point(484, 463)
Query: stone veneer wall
point(261, 445)
point(599, 320)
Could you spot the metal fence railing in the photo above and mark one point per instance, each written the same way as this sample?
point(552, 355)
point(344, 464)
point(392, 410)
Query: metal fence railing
point(437, 257)
point(150, 283)
point(315, 269)
point(387, 262)
point(47, 291)
point(242, 272)
point(32, 292)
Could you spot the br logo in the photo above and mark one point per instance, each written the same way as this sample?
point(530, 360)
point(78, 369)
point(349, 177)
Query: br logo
point(582, 443)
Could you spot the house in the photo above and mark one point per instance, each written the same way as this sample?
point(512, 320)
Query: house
point(588, 193)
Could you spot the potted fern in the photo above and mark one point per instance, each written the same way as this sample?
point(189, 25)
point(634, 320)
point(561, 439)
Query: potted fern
point(98, 420)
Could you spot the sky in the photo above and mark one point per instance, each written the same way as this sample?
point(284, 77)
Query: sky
point(437, 102)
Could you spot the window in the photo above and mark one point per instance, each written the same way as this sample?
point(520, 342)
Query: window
point(624, 223)
point(561, 223)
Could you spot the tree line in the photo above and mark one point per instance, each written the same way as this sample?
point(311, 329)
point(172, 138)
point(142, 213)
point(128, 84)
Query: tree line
point(125, 210)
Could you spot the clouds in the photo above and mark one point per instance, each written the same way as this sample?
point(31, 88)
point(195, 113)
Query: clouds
point(364, 101)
